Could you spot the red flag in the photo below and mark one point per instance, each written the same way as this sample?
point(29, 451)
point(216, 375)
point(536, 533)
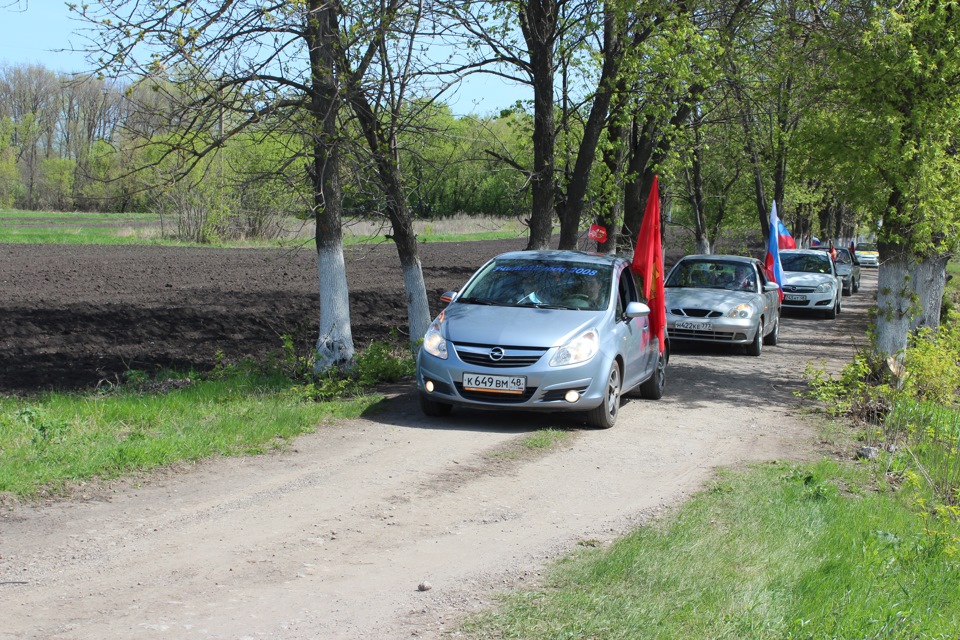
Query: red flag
point(648, 264)
point(598, 233)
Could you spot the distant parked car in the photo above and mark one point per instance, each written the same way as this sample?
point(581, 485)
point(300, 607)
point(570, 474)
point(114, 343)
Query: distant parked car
point(867, 254)
point(542, 331)
point(724, 299)
point(848, 268)
point(811, 282)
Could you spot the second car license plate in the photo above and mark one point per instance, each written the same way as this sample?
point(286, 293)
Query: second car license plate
point(794, 298)
point(500, 384)
point(694, 326)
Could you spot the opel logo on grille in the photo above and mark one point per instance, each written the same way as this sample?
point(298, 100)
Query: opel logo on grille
point(789, 287)
point(496, 354)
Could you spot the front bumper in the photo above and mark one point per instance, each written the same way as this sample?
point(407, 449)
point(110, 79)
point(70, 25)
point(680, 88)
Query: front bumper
point(809, 300)
point(546, 387)
point(722, 330)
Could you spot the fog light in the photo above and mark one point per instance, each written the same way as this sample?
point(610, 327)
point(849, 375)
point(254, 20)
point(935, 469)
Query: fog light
point(572, 396)
point(429, 386)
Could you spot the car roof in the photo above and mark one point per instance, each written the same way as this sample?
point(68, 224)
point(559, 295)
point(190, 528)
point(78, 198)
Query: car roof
point(809, 252)
point(558, 255)
point(719, 257)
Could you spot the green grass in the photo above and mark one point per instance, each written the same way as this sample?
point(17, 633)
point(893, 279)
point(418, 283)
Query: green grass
point(49, 442)
point(777, 552)
point(44, 227)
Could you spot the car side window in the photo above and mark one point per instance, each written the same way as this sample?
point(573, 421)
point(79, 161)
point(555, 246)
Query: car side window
point(626, 291)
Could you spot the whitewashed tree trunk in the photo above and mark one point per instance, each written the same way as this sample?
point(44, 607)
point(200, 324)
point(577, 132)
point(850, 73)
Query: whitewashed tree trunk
point(703, 245)
point(418, 308)
point(909, 297)
point(335, 343)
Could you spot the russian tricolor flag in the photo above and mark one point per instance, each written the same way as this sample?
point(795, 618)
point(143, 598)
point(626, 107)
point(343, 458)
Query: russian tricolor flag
point(779, 238)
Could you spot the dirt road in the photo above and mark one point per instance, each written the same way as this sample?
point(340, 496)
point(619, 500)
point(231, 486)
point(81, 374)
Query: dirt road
point(332, 538)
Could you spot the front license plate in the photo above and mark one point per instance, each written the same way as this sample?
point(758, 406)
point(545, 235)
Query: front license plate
point(694, 326)
point(498, 384)
point(794, 298)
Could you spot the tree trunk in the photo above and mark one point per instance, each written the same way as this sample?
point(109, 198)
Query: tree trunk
point(383, 148)
point(538, 21)
point(909, 297)
point(335, 342)
point(577, 188)
point(610, 209)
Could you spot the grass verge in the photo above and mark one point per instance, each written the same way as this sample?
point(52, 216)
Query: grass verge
point(53, 441)
point(831, 550)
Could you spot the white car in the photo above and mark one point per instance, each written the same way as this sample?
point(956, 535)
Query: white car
point(867, 254)
point(811, 282)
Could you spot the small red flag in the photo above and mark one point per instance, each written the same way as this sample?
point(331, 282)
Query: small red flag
point(598, 233)
point(648, 264)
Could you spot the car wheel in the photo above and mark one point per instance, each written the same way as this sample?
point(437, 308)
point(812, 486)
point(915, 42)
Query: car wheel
point(774, 336)
point(652, 388)
point(755, 347)
point(605, 416)
point(432, 408)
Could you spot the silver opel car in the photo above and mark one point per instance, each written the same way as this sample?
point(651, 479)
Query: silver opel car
point(542, 331)
point(723, 299)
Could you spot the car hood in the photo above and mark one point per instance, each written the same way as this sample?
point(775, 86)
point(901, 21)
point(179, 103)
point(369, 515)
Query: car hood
point(804, 279)
point(515, 326)
point(844, 269)
point(719, 299)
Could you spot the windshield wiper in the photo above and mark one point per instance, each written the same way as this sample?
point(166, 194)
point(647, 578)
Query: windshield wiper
point(470, 300)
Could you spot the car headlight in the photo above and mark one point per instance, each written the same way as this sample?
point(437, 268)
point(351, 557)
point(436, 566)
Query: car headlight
point(824, 287)
point(740, 311)
point(433, 341)
point(580, 349)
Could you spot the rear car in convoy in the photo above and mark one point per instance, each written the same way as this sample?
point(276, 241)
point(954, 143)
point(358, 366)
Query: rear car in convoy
point(811, 282)
point(867, 254)
point(722, 299)
point(542, 331)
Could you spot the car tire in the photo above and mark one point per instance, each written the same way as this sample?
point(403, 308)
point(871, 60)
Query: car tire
point(756, 347)
point(652, 387)
point(773, 337)
point(605, 416)
point(432, 408)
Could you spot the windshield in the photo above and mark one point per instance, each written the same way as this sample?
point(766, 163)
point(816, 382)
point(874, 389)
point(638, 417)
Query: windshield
point(805, 262)
point(866, 246)
point(713, 274)
point(541, 283)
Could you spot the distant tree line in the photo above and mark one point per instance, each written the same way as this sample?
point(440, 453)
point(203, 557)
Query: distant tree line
point(81, 143)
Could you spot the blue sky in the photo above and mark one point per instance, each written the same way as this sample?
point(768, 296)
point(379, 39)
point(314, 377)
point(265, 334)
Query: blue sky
point(32, 32)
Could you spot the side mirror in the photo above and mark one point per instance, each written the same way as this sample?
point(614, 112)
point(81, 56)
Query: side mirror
point(771, 286)
point(448, 297)
point(637, 310)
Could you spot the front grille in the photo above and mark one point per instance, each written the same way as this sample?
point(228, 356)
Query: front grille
point(695, 334)
point(795, 303)
point(511, 357)
point(495, 396)
point(789, 288)
point(691, 312)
